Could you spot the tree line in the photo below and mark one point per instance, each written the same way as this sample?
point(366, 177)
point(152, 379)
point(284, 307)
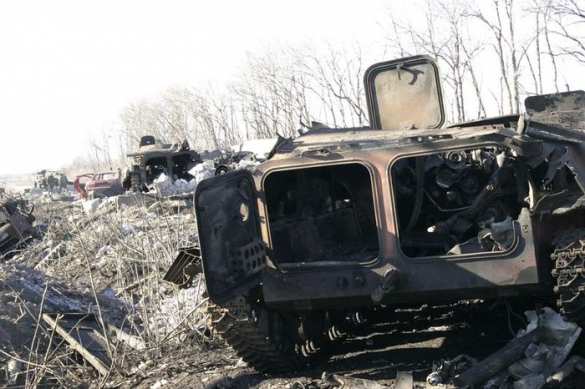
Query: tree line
point(492, 54)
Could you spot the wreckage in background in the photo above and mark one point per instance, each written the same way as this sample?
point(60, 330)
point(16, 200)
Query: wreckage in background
point(98, 185)
point(248, 154)
point(16, 226)
point(343, 222)
point(153, 159)
point(179, 169)
point(51, 181)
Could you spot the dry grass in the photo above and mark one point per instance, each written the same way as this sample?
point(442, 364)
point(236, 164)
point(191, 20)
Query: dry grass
point(109, 263)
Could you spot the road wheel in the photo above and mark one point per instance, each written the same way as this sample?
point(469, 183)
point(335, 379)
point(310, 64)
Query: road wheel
point(261, 337)
point(221, 170)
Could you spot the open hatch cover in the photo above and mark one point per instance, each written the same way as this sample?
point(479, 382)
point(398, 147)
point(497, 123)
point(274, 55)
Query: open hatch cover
point(404, 94)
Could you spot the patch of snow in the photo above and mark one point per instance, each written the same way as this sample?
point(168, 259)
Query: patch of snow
point(159, 384)
point(261, 148)
point(172, 311)
point(247, 164)
point(165, 186)
point(128, 229)
point(203, 171)
point(91, 206)
point(104, 250)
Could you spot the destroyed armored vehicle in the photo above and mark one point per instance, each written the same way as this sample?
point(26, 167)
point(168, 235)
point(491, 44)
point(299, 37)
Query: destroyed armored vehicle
point(16, 227)
point(340, 223)
point(50, 181)
point(153, 159)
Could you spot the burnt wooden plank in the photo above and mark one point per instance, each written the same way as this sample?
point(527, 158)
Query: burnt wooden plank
point(83, 334)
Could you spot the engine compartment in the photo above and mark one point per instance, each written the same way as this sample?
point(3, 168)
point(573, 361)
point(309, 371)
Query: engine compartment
point(458, 202)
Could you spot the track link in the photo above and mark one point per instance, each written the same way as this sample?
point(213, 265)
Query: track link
point(569, 274)
point(258, 336)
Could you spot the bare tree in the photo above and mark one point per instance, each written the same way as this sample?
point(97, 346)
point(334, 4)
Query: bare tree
point(334, 80)
point(271, 95)
point(497, 28)
point(445, 37)
point(569, 24)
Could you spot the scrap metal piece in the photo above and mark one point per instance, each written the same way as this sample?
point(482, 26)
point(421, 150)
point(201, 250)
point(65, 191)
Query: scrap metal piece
point(15, 225)
point(538, 352)
point(445, 370)
point(498, 361)
point(187, 264)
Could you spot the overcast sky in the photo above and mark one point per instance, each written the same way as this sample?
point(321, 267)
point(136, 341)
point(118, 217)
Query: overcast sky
point(67, 68)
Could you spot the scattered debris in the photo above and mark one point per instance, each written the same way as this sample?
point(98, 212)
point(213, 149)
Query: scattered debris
point(109, 259)
point(335, 381)
point(165, 186)
point(185, 267)
point(531, 358)
point(246, 155)
point(446, 370)
point(16, 218)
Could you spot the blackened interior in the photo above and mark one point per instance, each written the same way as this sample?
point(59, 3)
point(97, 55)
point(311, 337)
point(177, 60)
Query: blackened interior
point(458, 202)
point(322, 214)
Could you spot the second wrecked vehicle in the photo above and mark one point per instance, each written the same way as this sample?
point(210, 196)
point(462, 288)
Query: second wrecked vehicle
point(98, 185)
point(153, 159)
point(343, 222)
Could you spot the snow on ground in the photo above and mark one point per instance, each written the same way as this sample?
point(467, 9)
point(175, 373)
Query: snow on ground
point(165, 186)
